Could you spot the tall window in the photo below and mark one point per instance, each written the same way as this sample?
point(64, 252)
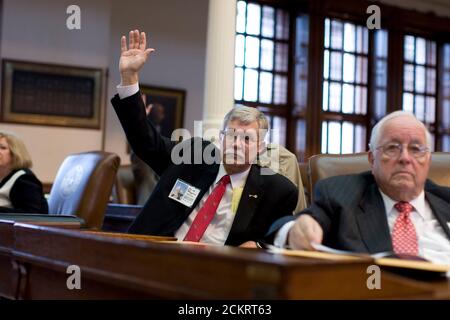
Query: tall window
point(324, 79)
point(345, 87)
point(262, 63)
point(445, 98)
point(419, 79)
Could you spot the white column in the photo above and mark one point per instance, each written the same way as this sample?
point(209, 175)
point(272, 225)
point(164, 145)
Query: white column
point(219, 78)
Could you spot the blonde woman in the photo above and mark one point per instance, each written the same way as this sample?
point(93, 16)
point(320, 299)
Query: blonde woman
point(20, 190)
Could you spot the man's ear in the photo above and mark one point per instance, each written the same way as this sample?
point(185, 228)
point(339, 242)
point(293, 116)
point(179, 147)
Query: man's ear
point(370, 158)
point(262, 147)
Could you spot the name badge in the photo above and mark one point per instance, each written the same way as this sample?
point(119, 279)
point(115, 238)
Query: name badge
point(184, 193)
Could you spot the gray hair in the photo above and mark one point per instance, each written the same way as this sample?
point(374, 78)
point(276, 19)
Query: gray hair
point(374, 137)
point(247, 115)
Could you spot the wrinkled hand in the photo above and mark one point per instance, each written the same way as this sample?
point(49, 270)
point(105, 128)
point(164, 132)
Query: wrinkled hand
point(305, 230)
point(133, 58)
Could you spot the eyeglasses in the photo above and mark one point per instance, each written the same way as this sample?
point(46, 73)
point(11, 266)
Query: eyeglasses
point(394, 150)
point(247, 137)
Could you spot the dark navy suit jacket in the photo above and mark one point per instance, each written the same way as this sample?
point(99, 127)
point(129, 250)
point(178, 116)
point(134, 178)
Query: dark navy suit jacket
point(351, 211)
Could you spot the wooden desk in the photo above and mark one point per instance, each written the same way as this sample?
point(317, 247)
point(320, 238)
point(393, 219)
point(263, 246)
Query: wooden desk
point(8, 273)
point(10, 270)
point(121, 268)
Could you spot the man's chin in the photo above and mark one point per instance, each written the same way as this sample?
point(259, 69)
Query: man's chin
point(403, 184)
point(235, 168)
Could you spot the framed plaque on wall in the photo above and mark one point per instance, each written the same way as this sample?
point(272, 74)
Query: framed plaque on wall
point(54, 95)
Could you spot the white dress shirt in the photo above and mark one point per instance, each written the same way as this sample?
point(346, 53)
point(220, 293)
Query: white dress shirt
point(220, 226)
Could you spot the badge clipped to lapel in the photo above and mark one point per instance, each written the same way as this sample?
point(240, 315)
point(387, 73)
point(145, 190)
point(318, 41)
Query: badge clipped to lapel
point(184, 193)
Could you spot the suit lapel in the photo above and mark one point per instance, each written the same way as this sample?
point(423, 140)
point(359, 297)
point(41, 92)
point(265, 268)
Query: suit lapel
point(372, 221)
point(441, 210)
point(251, 195)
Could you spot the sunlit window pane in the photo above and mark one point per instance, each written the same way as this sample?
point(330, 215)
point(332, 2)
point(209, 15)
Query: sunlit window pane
point(446, 114)
point(380, 103)
point(381, 73)
point(279, 130)
point(335, 97)
point(446, 143)
point(431, 53)
point(240, 19)
point(251, 85)
point(252, 52)
point(253, 18)
point(280, 90)
point(347, 98)
point(361, 70)
point(349, 67)
point(420, 79)
point(420, 107)
point(360, 138)
point(239, 52)
point(267, 54)
point(408, 102)
point(268, 22)
point(281, 57)
point(381, 43)
point(265, 87)
point(325, 96)
point(420, 50)
point(360, 100)
point(238, 83)
point(324, 137)
point(347, 137)
point(334, 137)
point(408, 77)
point(446, 56)
point(327, 33)
point(336, 66)
point(326, 64)
point(349, 37)
point(362, 40)
point(301, 140)
point(431, 81)
point(336, 34)
point(409, 48)
point(430, 110)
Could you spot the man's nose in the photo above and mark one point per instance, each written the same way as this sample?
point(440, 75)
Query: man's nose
point(238, 141)
point(405, 156)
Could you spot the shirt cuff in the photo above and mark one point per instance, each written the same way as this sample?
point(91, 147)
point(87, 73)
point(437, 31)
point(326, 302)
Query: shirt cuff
point(280, 240)
point(127, 91)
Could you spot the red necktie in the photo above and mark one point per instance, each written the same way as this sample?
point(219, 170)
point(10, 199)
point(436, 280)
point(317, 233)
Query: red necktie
point(404, 237)
point(207, 212)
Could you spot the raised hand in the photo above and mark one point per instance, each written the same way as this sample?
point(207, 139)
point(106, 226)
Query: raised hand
point(133, 58)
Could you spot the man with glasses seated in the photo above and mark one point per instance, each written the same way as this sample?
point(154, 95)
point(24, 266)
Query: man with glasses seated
point(392, 208)
point(205, 194)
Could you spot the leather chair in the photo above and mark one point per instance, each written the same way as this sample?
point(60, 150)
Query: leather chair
point(284, 162)
point(83, 185)
point(124, 190)
point(328, 165)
